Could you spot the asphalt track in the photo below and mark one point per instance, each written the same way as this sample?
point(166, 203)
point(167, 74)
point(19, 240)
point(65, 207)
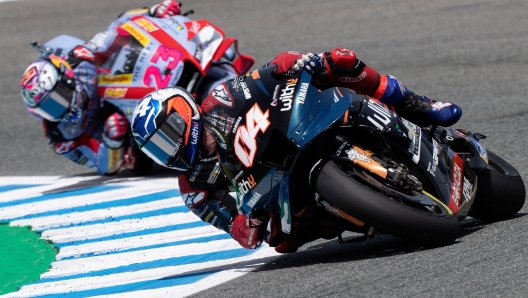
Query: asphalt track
point(470, 52)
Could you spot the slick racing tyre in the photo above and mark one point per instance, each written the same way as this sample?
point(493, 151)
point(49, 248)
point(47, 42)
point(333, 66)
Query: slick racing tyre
point(500, 191)
point(346, 190)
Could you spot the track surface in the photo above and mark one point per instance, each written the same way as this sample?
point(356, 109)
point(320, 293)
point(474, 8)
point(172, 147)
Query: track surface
point(466, 51)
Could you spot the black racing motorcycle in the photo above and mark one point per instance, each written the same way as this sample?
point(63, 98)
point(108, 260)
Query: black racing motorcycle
point(356, 164)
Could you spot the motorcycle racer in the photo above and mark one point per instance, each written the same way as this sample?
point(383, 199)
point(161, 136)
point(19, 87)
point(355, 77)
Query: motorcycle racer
point(167, 125)
point(62, 92)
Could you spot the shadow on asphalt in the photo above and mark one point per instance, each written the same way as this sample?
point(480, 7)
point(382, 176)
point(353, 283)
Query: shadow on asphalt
point(157, 172)
point(472, 225)
point(333, 252)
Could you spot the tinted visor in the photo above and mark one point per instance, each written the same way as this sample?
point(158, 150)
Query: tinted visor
point(165, 146)
point(57, 103)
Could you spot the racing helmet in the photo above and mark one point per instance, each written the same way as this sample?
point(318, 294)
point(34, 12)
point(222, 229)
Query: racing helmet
point(48, 88)
point(166, 125)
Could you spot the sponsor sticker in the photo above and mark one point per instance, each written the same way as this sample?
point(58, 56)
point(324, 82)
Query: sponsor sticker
point(115, 79)
point(146, 25)
point(467, 189)
point(246, 135)
point(456, 183)
point(221, 95)
point(245, 89)
point(254, 199)
point(431, 167)
point(115, 92)
point(245, 185)
point(286, 96)
point(193, 198)
point(353, 154)
point(138, 35)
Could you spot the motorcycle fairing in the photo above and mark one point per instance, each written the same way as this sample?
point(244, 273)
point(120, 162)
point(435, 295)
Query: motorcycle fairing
point(437, 160)
point(293, 122)
point(61, 45)
point(160, 53)
point(319, 111)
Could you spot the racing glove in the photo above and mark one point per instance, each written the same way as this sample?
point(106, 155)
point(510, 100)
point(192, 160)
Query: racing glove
point(248, 232)
point(290, 62)
point(165, 9)
point(115, 129)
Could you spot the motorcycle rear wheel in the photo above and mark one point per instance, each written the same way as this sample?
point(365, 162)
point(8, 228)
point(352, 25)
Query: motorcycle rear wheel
point(387, 215)
point(500, 191)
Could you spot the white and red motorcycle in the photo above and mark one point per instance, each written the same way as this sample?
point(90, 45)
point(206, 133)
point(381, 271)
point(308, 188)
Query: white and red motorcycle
point(158, 53)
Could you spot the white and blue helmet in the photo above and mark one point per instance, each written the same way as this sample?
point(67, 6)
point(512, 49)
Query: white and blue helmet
point(167, 125)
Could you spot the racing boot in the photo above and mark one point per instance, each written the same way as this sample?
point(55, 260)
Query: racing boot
point(423, 111)
point(304, 230)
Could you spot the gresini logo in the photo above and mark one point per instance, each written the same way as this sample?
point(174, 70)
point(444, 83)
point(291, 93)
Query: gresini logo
point(353, 154)
point(287, 94)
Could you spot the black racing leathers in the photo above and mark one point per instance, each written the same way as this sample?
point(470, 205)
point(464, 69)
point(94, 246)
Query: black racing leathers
point(205, 191)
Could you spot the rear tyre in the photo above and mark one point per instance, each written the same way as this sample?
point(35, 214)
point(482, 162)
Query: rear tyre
point(500, 191)
point(380, 211)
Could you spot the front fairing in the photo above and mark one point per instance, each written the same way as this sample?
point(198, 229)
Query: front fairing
point(261, 125)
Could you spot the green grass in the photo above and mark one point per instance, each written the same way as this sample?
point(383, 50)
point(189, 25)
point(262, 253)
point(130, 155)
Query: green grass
point(23, 257)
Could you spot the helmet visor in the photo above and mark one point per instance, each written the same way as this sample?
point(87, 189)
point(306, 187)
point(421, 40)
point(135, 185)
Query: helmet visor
point(56, 104)
point(165, 146)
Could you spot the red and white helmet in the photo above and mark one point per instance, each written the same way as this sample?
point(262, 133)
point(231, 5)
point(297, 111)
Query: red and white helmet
point(48, 88)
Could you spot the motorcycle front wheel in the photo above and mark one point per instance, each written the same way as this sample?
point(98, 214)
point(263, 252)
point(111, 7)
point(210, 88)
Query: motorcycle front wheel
point(348, 191)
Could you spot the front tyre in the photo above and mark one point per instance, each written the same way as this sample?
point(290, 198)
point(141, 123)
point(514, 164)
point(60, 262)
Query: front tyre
point(387, 215)
point(500, 191)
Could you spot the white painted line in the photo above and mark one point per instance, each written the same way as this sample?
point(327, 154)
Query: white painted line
point(236, 267)
point(137, 241)
point(48, 222)
point(113, 228)
point(74, 201)
point(83, 265)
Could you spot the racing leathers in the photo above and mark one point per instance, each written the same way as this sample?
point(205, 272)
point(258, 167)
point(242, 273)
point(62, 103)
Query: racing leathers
point(341, 68)
point(88, 134)
point(206, 190)
point(93, 134)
